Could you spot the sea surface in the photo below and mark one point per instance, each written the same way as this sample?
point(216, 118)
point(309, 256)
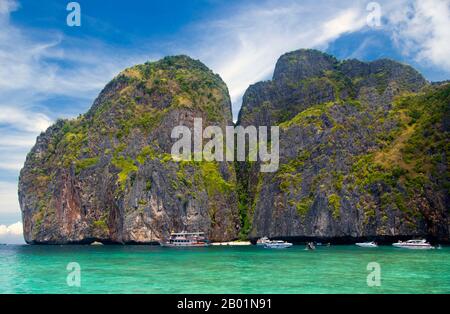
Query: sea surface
point(243, 269)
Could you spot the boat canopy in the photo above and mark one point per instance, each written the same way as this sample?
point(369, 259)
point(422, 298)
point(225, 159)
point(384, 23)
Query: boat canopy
point(187, 233)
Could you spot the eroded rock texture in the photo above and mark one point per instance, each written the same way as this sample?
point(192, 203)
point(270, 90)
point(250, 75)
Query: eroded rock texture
point(363, 150)
point(363, 154)
point(108, 175)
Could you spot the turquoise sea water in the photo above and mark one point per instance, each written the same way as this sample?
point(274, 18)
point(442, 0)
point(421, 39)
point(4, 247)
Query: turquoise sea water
point(249, 269)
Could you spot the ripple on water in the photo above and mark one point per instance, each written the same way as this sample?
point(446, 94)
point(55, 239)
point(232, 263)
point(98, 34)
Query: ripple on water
point(152, 269)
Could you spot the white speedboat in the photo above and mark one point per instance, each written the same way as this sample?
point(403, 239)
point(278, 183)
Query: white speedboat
point(262, 241)
point(277, 245)
point(367, 244)
point(414, 244)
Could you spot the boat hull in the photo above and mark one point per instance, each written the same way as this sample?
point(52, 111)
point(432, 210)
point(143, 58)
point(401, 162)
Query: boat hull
point(186, 239)
point(370, 245)
point(278, 246)
point(413, 247)
point(185, 245)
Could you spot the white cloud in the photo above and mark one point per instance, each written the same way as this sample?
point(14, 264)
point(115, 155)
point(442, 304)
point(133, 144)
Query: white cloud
point(9, 202)
point(19, 129)
point(37, 66)
point(12, 165)
point(14, 146)
point(14, 229)
point(421, 29)
point(244, 46)
point(7, 6)
point(12, 160)
point(30, 63)
point(13, 141)
point(347, 21)
point(12, 234)
point(24, 120)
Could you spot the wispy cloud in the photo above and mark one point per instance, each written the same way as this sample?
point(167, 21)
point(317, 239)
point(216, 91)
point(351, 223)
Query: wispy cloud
point(9, 202)
point(421, 30)
point(12, 234)
point(6, 6)
point(35, 67)
point(13, 140)
point(23, 120)
point(244, 46)
point(14, 229)
point(39, 65)
point(12, 161)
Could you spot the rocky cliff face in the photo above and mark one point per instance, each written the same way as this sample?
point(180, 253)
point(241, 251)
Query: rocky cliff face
point(363, 151)
point(108, 175)
point(363, 154)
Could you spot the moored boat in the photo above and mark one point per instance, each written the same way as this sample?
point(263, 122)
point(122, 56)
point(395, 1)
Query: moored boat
point(186, 239)
point(414, 244)
point(367, 244)
point(277, 245)
point(262, 241)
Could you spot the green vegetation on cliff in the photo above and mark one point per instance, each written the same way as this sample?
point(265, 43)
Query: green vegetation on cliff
point(363, 152)
point(114, 162)
point(376, 139)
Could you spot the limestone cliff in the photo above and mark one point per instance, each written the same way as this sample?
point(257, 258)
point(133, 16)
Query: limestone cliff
point(108, 175)
point(363, 154)
point(363, 150)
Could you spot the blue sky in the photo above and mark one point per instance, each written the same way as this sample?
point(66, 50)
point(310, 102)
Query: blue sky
point(50, 70)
